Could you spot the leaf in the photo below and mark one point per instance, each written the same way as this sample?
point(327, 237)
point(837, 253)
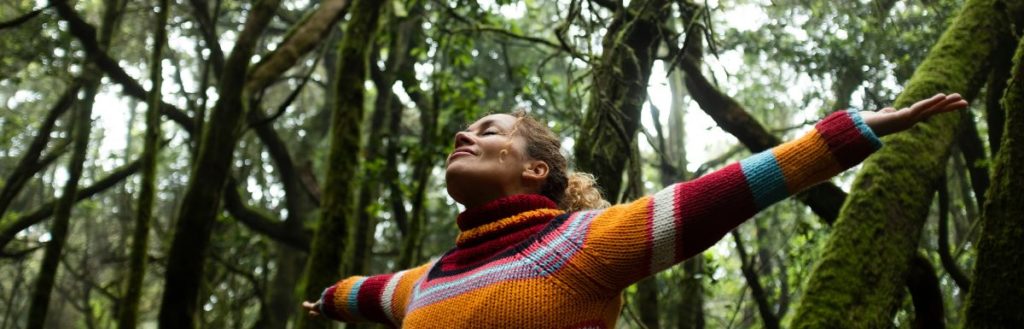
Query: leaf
point(398, 6)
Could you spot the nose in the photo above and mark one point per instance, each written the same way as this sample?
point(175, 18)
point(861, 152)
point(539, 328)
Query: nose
point(462, 138)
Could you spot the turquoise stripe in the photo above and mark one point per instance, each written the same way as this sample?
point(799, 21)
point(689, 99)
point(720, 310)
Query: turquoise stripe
point(864, 129)
point(353, 301)
point(765, 178)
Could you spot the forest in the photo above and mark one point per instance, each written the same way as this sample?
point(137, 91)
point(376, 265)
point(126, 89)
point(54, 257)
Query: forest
point(213, 164)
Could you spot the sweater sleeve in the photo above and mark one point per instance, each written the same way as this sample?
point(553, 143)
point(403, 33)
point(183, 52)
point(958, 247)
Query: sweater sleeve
point(628, 242)
point(379, 298)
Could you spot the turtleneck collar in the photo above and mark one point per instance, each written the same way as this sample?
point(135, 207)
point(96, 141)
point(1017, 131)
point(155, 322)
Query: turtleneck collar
point(503, 217)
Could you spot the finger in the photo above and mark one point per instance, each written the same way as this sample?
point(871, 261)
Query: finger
point(961, 104)
point(927, 103)
point(949, 104)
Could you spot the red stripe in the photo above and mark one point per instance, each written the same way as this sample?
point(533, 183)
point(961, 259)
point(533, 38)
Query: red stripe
point(848, 146)
point(329, 307)
point(463, 257)
point(712, 205)
point(368, 298)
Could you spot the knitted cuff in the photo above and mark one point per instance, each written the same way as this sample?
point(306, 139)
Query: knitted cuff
point(338, 302)
point(849, 139)
point(864, 129)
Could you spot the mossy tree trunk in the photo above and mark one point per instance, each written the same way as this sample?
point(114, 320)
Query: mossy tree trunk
point(200, 205)
point(325, 261)
point(998, 290)
point(129, 307)
point(619, 89)
point(859, 282)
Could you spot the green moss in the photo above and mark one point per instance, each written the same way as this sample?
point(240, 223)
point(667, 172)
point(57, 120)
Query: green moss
point(998, 290)
point(859, 281)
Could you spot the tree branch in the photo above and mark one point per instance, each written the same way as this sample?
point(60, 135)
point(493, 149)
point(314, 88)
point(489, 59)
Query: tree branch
point(299, 41)
point(29, 164)
point(764, 307)
point(948, 262)
point(86, 35)
point(262, 223)
point(22, 19)
point(8, 233)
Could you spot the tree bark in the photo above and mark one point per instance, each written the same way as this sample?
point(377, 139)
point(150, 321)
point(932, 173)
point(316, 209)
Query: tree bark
point(201, 202)
point(129, 307)
point(859, 280)
point(325, 260)
point(998, 289)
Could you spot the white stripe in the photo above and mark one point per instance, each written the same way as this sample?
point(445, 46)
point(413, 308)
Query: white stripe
point(663, 230)
point(389, 291)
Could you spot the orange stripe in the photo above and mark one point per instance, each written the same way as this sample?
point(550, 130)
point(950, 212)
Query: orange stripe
point(341, 298)
point(806, 161)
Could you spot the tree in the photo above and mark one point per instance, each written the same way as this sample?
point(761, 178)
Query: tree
point(325, 260)
point(997, 290)
point(129, 311)
point(854, 284)
point(82, 126)
point(201, 202)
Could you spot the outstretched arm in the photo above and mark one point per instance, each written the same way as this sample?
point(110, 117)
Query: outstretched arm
point(379, 298)
point(628, 242)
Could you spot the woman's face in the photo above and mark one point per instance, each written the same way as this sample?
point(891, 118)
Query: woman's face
point(489, 162)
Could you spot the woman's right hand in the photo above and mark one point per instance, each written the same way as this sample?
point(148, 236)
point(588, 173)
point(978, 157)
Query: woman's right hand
point(313, 308)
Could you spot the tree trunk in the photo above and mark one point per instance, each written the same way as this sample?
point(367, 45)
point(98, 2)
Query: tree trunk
point(201, 202)
point(62, 215)
point(129, 308)
point(859, 280)
point(619, 89)
point(324, 263)
point(998, 288)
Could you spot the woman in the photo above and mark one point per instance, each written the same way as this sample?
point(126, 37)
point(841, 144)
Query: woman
point(529, 255)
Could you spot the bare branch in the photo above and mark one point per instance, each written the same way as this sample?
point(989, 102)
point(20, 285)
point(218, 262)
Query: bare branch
point(22, 19)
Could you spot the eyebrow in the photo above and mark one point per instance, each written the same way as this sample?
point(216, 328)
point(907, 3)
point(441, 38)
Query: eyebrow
point(483, 124)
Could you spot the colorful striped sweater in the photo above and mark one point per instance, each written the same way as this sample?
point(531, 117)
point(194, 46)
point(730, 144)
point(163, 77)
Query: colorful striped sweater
point(520, 262)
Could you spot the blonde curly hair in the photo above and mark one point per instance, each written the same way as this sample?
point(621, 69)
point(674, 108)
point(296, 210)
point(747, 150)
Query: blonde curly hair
point(571, 190)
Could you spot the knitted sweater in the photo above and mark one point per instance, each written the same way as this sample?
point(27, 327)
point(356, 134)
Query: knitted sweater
point(520, 262)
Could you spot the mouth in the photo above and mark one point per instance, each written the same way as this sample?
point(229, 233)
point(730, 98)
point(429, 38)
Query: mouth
point(460, 152)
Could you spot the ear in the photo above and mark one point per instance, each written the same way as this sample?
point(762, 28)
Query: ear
point(535, 171)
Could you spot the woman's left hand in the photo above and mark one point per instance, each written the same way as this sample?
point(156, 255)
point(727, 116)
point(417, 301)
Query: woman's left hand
point(313, 309)
point(889, 120)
